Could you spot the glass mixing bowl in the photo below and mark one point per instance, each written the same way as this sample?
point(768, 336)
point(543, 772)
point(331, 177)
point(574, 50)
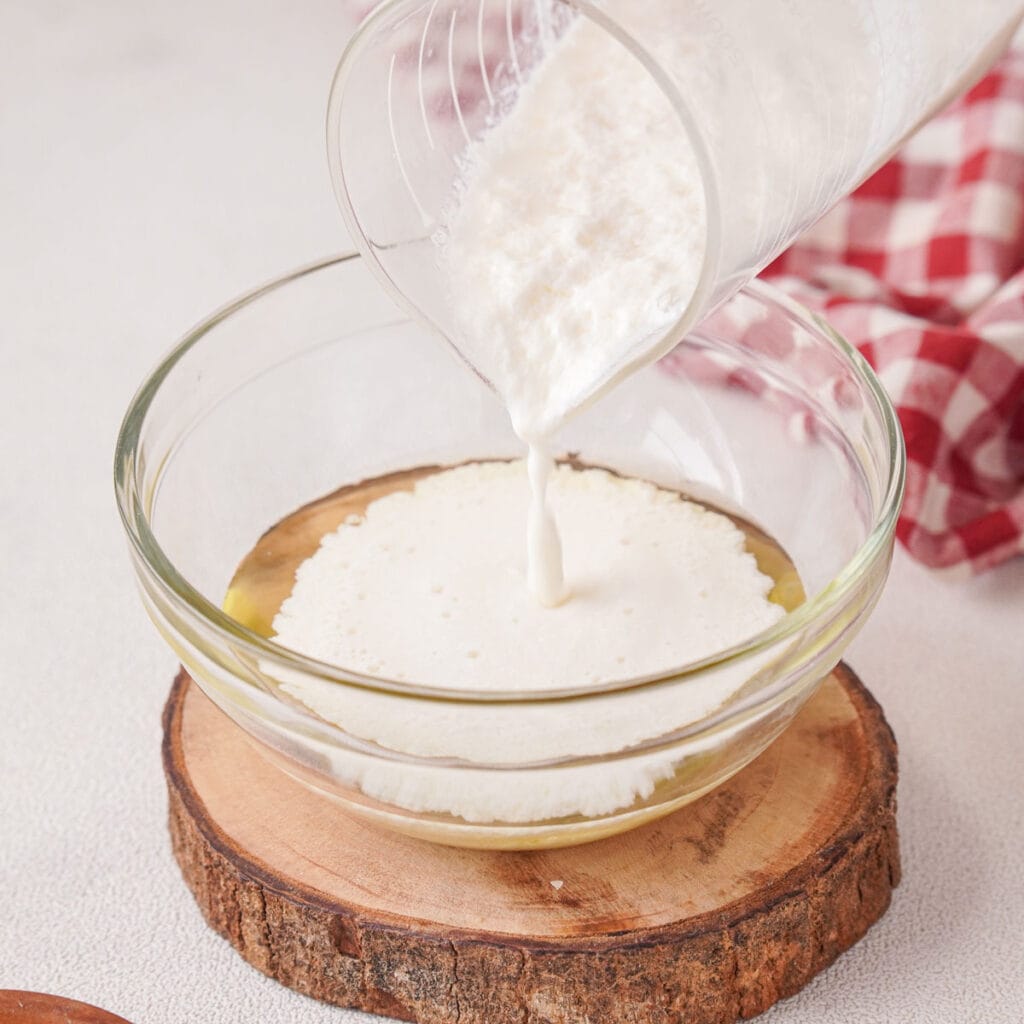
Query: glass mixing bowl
point(315, 381)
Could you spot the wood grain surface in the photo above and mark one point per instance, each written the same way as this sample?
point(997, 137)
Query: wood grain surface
point(709, 915)
point(38, 1008)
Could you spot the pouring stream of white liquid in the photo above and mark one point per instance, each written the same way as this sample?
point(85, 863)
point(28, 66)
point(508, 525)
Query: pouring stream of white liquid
point(545, 574)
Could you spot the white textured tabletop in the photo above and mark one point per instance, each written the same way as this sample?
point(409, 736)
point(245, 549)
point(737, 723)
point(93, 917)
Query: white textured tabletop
point(155, 160)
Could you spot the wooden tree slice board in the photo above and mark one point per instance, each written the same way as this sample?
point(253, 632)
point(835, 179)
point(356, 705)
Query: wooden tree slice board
point(709, 915)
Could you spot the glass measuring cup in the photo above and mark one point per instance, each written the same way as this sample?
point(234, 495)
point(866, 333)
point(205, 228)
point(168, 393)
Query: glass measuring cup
point(782, 107)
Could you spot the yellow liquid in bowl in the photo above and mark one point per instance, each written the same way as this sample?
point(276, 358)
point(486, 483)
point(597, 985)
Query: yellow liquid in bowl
point(264, 580)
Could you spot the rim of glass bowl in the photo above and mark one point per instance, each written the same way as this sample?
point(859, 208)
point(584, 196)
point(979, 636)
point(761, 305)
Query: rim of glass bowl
point(134, 503)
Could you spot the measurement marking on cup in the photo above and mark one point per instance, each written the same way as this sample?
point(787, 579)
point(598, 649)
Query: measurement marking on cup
point(480, 52)
point(419, 75)
point(511, 42)
point(451, 78)
point(394, 142)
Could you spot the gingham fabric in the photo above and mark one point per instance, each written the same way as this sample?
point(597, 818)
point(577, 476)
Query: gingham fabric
point(923, 269)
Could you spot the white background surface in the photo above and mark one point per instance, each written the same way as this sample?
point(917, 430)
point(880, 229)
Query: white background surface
point(155, 160)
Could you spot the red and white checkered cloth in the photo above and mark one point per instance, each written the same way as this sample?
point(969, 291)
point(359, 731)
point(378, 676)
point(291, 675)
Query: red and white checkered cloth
point(923, 269)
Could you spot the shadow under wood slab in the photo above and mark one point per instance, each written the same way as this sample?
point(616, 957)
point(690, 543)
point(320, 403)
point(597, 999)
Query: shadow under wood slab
point(709, 915)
